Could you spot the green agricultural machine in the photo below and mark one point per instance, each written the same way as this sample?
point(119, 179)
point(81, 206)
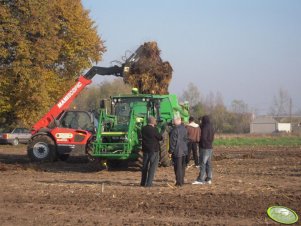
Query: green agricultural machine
point(118, 137)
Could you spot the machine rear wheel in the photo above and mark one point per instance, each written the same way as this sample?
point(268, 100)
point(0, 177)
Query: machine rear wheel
point(139, 161)
point(165, 160)
point(89, 149)
point(42, 149)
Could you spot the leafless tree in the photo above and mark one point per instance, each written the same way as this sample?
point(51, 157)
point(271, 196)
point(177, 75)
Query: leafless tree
point(281, 103)
point(239, 106)
point(192, 95)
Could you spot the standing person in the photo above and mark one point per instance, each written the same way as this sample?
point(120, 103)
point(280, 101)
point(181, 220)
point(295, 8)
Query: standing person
point(206, 149)
point(193, 133)
point(178, 149)
point(150, 148)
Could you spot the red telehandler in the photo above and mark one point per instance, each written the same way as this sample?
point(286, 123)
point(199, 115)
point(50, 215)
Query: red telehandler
point(61, 131)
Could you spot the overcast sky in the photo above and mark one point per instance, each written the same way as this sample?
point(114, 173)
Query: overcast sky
point(244, 49)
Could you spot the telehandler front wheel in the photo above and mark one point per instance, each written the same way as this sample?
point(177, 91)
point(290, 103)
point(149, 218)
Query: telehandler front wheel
point(42, 149)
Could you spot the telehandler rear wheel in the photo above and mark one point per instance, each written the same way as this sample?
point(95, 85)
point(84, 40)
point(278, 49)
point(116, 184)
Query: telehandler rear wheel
point(42, 149)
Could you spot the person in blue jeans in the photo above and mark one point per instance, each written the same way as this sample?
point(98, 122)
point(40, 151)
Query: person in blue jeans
point(206, 151)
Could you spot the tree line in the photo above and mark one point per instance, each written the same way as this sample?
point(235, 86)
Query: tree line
point(236, 119)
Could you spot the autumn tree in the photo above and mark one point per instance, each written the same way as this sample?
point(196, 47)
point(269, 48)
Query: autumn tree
point(44, 46)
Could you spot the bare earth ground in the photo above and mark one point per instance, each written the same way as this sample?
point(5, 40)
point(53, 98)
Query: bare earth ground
point(246, 182)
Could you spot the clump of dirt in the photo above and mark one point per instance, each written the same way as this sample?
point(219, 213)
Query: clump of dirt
point(150, 74)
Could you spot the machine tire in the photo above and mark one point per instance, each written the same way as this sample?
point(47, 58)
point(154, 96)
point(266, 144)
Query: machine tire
point(165, 160)
point(89, 149)
point(42, 149)
point(139, 161)
point(15, 142)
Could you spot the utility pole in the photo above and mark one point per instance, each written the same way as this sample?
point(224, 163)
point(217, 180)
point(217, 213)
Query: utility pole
point(291, 108)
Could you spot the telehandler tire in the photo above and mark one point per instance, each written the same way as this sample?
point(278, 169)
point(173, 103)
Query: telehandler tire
point(42, 149)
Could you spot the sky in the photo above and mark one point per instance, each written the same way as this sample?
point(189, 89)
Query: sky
point(243, 49)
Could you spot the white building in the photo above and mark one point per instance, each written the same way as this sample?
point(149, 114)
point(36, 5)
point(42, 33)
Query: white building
point(268, 124)
point(284, 127)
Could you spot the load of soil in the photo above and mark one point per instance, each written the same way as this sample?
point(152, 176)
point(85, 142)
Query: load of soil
point(150, 74)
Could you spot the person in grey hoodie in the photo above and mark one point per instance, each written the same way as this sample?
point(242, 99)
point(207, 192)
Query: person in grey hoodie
point(178, 149)
point(193, 132)
point(206, 149)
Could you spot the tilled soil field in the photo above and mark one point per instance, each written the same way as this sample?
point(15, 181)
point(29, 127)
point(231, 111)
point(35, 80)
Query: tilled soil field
point(246, 182)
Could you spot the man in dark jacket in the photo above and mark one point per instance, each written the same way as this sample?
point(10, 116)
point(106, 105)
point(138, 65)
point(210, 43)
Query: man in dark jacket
point(150, 148)
point(206, 149)
point(178, 149)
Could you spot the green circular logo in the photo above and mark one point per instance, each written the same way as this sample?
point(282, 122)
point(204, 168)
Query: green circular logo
point(282, 214)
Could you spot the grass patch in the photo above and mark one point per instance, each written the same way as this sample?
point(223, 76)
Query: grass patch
point(258, 141)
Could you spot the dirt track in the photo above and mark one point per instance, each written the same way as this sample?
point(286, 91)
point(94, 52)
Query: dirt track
point(245, 184)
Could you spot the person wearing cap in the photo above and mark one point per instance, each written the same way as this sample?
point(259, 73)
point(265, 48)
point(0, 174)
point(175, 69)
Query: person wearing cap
point(150, 146)
point(178, 149)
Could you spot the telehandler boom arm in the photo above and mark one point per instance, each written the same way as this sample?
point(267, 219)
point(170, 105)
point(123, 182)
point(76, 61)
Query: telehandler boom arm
point(68, 98)
point(82, 82)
